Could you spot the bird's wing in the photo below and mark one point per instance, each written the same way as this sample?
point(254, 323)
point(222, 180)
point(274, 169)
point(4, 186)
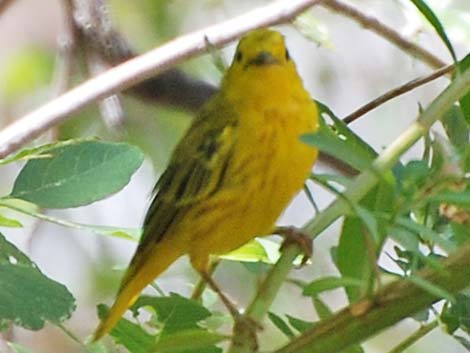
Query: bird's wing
point(196, 171)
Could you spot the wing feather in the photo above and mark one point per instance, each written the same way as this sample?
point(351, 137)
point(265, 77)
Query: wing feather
point(196, 171)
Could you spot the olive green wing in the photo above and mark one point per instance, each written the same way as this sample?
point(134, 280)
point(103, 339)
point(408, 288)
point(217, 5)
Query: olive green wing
point(196, 171)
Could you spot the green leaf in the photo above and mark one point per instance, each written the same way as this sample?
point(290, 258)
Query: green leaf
point(194, 341)
point(464, 102)
point(128, 334)
point(299, 324)
point(323, 311)
point(339, 141)
point(459, 198)
point(174, 312)
point(8, 222)
point(370, 221)
point(329, 283)
point(434, 21)
point(406, 238)
point(352, 258)
point(412, 177)
point(281, 325)
point(28, 298)
point(331, 178)
point(77, 174)
point(96, 347)
point(457, 314)
point(456, 127)
point(426, 233)
point(255, 251)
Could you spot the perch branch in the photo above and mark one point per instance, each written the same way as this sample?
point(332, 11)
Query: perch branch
point(391, 304)
point(142, 67)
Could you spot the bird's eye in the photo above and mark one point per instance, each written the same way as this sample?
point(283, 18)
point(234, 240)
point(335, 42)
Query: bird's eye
point(239, 56)
point(287, 55)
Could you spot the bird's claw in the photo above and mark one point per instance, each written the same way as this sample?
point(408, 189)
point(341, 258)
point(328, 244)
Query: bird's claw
point(298, 237)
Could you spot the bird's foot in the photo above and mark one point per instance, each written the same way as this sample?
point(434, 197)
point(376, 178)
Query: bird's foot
point(298, 237)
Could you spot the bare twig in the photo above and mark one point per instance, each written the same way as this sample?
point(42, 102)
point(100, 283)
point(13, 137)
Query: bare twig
point(382, 30)
point(65, 56)
point(140, 68)
point(93, 23)
point(396, 92)
point(172, 87)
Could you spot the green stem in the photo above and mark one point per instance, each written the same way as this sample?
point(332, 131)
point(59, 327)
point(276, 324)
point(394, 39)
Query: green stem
point(421, 332)
point(41, 216)
point(74, 338)
point(103, 230)
point(388, 306)
point(358, 189)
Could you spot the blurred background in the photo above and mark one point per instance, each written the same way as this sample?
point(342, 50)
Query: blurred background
point(342, 64)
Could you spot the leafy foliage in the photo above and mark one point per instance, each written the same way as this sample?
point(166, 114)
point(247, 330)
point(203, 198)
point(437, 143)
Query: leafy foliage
point(178, 327)
point(28, 297)
point(415, 217)
point(77, 174)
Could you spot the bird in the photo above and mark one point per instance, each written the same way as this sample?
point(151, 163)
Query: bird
point(234, 171)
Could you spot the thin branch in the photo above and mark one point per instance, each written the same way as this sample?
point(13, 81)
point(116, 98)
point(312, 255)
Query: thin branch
point(384, 31)
point(172, 87)
point(65, 58)
point(396, 92)
point(93, 24)
point(355, 192)
point(413, 338)
point(140, 68)
point(391, 304)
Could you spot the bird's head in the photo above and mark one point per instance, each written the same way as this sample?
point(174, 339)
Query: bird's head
point(260, 49)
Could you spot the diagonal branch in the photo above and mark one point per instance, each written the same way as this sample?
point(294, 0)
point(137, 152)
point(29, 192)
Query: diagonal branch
point(142, 67)
point(395, 92)
point(384, 31)
point(391, 304)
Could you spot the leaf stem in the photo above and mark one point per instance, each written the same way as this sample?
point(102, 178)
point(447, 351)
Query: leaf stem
point(103, 230)
point(73, 337)
point(421, 332)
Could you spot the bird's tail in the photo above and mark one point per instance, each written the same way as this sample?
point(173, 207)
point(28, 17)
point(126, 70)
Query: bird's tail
point(139, 274)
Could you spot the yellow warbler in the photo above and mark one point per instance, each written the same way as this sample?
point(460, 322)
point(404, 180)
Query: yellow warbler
point(233, 173)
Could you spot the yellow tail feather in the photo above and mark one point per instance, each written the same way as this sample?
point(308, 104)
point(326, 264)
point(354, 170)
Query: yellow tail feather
point(138, 276)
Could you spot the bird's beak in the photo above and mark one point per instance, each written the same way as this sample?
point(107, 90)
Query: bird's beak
point(264, 58)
